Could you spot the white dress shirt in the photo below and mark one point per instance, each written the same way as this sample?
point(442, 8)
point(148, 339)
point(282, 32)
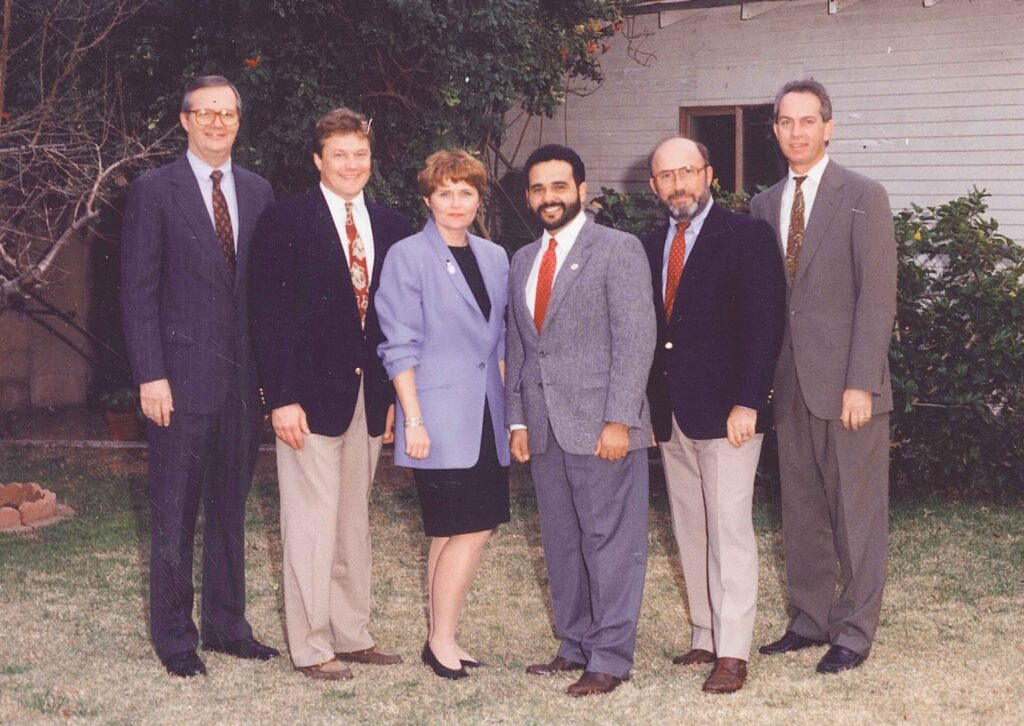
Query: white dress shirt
point(202, 172)
point(809, 186)
point(690, 235)
point(361, 217)
point(565, 239)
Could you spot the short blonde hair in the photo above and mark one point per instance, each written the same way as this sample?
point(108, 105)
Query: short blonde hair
point(454, 165)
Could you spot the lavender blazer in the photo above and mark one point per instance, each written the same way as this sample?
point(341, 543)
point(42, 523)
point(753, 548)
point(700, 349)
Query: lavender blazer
point(431, 322)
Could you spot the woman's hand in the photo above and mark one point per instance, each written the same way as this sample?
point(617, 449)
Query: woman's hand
point(417, 442)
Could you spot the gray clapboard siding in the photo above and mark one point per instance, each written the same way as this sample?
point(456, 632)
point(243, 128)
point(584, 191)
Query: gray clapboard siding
point(929, 101)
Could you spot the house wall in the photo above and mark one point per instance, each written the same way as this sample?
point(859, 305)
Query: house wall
point(36, 368)
point(929, 101)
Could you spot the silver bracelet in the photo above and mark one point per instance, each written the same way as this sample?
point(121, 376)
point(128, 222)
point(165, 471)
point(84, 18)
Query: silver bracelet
point(412, 422)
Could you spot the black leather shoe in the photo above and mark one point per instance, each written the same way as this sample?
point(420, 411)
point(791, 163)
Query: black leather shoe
point(789, 642)
point(440, 668)
point(839, 658)
point(244, 648)
point(185, 665)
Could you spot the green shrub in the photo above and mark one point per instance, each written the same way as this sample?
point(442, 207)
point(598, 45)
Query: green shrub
point(958, 353)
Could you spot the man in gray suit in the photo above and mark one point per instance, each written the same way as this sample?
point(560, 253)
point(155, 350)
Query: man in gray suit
point(832, 390)
point(581, 335)
point(185, 257)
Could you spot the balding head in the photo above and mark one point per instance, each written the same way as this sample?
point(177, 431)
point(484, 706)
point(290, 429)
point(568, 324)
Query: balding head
point(681, 176)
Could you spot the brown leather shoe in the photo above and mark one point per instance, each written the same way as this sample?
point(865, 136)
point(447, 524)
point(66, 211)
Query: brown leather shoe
point(728, 676)
point(592, 683)
point(326, 671)
point(558, 665)
point(370, 656)
point(697, 656)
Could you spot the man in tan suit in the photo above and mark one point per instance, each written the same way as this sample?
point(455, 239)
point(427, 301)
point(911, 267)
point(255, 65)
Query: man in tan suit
point(832, 389)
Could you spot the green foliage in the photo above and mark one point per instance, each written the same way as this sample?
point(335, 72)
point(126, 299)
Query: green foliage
point(123, 399)
point(958, 352)
point(633, 213)
point(431, 73)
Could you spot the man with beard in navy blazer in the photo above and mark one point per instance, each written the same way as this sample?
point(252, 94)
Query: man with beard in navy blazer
point(315, 268)
point(719, 295)
point(185, 255)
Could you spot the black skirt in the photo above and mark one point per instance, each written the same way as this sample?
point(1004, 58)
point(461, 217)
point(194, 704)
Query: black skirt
point(459, 501)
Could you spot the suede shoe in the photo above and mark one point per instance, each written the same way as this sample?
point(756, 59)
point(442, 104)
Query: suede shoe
point(728, 676)
point(558, 665)
point(697, 656)
point(592, 683)
point(185, 665)
point(369, 656)
point(331, 670)
point(248, 648)
point(838, 659)
point(789, 642)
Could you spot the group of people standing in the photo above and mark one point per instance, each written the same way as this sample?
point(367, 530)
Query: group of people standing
point(590, 346)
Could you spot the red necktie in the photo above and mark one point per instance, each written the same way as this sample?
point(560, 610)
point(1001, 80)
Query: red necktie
point(545, 278)
point(676, 258)
point(357, 266)
point(222, 222)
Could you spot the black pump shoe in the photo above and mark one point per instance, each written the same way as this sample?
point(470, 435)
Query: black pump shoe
point(439, 668)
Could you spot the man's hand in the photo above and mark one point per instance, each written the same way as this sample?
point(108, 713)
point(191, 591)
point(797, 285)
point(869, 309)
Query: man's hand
point(389, 426)
point(290, 424)
point(613, 443)
point(741, 425)
point(856, 408)
point(417, 442)
point(155, 399)
point(519, 443)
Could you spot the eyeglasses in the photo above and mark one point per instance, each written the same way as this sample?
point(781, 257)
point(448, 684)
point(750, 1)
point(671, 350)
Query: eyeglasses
point(205, 116)
point(686, 172)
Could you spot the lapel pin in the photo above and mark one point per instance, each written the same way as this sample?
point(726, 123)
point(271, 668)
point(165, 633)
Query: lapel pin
point(574, 266)
point(450, 267)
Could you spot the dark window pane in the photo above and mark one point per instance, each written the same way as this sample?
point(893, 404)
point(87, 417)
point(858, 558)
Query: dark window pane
point(718, 133)
point(763, 164)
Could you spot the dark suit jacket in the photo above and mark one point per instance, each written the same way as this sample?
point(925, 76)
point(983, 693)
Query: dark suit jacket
point(310, 347)
point(719, 349)
point(184, 318)
point(842, 302)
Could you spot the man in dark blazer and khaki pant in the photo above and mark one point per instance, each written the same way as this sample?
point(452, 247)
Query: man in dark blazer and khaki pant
point(316, 264)
point(832, 389)
point(185, 256)
point(719, 295)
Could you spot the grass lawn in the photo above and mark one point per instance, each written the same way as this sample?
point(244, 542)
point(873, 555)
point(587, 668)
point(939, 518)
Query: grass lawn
point(74, 645)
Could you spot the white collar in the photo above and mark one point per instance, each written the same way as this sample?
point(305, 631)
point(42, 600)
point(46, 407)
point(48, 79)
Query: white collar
point(568, 234)
point(815, 172)
point(201, 169)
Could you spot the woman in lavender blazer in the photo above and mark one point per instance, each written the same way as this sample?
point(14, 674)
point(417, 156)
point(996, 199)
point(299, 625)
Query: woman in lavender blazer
point(441, 306)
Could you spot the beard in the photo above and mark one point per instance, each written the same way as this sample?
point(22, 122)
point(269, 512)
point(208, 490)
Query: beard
point(569, 212)
point(682, 212)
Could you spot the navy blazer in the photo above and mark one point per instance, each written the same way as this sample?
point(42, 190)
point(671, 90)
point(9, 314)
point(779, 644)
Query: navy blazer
point(184, 318)
point(432, 323)
point(719, 349)
point(310, 346)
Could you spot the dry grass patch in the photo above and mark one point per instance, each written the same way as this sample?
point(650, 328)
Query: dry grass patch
point(74, 644)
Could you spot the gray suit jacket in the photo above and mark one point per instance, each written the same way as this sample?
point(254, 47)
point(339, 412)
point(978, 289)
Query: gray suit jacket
point(842, 302)
point(590, 362)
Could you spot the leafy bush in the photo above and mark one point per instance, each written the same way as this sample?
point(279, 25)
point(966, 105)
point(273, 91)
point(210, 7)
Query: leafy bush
point(958, 353)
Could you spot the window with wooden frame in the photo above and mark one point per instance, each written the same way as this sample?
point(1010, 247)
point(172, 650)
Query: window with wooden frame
point(743, 149)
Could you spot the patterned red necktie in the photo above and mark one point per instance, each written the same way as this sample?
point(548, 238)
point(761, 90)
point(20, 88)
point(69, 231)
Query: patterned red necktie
point(545, 278)
point(676, 258)
point(357, 266)
point(222, 222)
point(795, 237)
